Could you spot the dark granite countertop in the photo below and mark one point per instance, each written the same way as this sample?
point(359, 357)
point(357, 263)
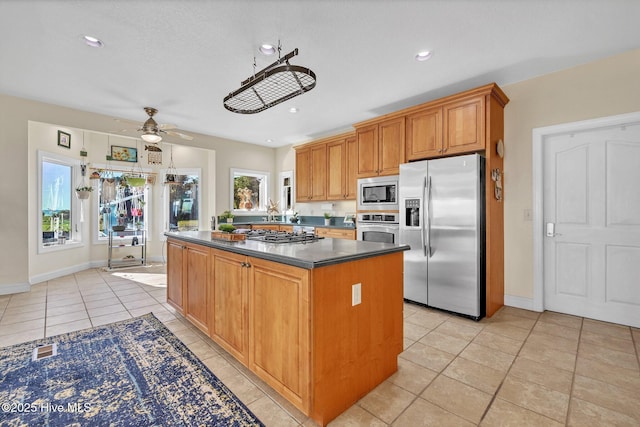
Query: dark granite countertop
point(309, 255)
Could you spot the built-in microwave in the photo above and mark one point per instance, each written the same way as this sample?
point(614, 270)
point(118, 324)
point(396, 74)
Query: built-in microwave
point(379, 193)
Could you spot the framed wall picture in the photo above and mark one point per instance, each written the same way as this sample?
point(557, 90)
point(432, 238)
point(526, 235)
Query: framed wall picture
point(124, 154)
point(64, 139)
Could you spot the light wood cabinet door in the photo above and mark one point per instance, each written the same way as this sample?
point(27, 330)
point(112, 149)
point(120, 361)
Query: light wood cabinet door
point(280, 338)
point(197, 285)
point(424, 134)
point(337, 233)
point(303, 175)
point(464, 126)
point(175, 274)
point(367, 151)
point(380, 148)
point(319, 172)
point(351, 169)
point(229, 325)
point(391, 135)
point(336, 156)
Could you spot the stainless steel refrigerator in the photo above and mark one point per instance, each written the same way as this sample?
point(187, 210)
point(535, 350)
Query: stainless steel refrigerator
point(442, 220)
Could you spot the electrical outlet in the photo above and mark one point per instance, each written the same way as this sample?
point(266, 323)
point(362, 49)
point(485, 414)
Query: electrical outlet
point(528, 215)
point(356, 294)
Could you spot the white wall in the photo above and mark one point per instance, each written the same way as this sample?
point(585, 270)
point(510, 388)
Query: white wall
point(603, 88)
point(18, 182)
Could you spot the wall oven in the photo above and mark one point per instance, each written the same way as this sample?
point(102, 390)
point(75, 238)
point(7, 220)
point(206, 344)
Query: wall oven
point(379, 227)
point(379, 193)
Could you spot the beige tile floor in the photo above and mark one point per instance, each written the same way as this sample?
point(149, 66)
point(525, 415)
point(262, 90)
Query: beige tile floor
point(516, 368)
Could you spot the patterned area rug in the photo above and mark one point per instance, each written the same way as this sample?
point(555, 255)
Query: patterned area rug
point(129, 373)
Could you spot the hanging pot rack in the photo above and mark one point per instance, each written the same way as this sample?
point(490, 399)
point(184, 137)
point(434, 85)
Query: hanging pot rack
point(271, 86)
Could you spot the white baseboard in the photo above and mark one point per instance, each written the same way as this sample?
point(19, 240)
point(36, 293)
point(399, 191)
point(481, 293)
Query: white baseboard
point(50, 275)
point(519, 302)
point(14, 288)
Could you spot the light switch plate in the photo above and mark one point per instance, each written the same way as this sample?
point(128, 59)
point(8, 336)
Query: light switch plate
point(356, 294)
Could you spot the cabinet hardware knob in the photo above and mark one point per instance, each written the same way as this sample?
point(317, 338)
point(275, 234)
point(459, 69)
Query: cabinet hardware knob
point(444, 150)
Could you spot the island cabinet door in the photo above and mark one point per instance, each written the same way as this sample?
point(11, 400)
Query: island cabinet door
point(279, 329)
point(229, 301)
point(197, 285)
point(175, 276)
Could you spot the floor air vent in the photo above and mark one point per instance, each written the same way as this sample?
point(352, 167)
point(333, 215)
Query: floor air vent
point(45, 351)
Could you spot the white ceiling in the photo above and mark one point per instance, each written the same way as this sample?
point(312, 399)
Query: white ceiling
point(184, 57)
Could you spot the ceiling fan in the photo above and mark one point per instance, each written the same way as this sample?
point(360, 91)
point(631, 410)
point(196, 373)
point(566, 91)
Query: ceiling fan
point(151, 130)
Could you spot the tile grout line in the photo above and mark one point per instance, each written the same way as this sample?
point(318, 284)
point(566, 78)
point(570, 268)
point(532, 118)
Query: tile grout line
point(515, 357)
point(573, 376)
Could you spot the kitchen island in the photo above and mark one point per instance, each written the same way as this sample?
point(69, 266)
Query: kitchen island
point(320, 322)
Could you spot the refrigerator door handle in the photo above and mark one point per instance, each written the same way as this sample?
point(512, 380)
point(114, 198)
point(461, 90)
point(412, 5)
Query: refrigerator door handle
point(422, 220)
point(429, 249)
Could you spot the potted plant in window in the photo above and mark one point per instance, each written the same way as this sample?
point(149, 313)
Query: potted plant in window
point(83, 192)
point(228, 216)
point(327, 218)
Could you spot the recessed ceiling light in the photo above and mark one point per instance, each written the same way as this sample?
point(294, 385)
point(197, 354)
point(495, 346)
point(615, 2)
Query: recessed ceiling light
point(424, 55)
point(92, 41)
point(293, 110)
point(267, 49)
point(269, 141)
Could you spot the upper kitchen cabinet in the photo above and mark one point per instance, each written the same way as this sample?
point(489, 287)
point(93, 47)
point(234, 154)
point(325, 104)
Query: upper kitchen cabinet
point(341, 164)
point(311, 173)
point(380, 147)
point(456, 124)
point(326, 169)
point(424, 134)
point(463, 126)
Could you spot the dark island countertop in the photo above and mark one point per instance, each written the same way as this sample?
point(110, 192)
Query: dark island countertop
point(308, 255)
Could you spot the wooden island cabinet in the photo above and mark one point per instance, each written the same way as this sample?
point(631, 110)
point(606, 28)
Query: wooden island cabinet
point(297, 327)
point(189, 266)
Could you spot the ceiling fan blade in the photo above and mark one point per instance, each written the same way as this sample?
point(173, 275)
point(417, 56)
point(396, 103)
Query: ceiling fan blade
point(137, 124)
point(166, 126)
point(178, 134)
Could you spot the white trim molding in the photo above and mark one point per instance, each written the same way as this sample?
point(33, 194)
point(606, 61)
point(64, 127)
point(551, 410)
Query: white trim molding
point(539, 137)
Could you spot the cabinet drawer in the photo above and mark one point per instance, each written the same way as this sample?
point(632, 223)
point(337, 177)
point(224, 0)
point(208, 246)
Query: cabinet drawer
point(336, 233)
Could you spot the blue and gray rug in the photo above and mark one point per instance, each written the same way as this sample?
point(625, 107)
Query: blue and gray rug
point(129, 373)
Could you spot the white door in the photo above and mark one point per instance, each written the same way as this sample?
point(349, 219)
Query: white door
point(591, 211)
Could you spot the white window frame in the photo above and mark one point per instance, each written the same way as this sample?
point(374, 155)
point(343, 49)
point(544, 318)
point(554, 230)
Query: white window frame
point(264, 187)
point(75, 228)
point(283, 194)
point(165, 195)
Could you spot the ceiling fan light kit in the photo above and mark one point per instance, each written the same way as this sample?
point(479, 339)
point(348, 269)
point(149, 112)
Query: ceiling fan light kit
point(151, 137)
point(272, 85)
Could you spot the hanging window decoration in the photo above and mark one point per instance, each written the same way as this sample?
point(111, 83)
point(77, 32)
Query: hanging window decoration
point(154, 154)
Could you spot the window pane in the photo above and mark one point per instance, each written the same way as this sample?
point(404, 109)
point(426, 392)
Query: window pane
point(183, 203)
point(122, 203)
point(249, 191)
point(56, 203)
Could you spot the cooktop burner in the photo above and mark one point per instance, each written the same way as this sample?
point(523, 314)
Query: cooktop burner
point(272, 236)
